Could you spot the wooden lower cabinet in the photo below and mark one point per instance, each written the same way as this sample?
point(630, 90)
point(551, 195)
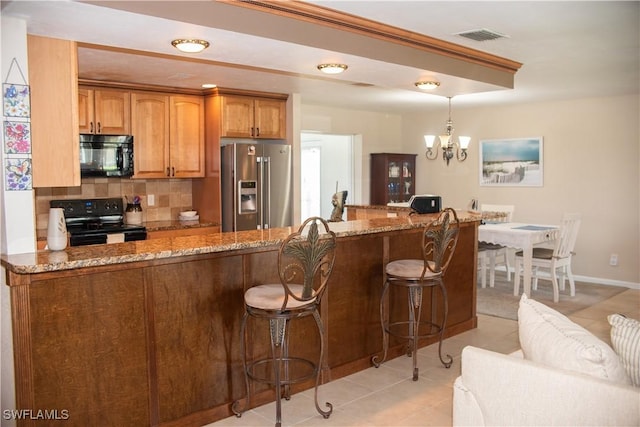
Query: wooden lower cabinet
point(157, 342)
point(89, 348)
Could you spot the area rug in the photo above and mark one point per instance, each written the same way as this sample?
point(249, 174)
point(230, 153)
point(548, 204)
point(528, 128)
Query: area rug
point(499, 301)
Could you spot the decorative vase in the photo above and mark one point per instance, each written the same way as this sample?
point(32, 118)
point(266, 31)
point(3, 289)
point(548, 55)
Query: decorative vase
point(56, 230)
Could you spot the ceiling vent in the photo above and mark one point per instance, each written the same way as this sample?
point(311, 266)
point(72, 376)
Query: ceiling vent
point(481, 35)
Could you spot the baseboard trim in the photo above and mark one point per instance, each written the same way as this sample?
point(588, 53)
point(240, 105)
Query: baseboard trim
point(589, 279)
point(608, 282)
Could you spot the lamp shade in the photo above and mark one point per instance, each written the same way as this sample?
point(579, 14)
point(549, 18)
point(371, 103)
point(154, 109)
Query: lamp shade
point(464, 141)
point(444, 140)
point(428, 140)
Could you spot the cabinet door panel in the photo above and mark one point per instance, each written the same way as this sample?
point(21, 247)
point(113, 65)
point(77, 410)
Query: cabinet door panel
point(187, 136)
point(112, 112)
point(85, 111)
point(270, 118)
point(150, 118)
point(237, 117)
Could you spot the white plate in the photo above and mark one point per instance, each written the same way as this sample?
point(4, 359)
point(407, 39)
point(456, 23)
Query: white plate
point(189, 218)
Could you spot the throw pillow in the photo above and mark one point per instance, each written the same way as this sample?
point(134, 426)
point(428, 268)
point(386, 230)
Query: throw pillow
point(550, 338)
point(625, 337)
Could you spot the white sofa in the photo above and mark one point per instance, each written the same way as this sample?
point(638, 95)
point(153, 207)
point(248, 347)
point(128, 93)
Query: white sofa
point(498, 389)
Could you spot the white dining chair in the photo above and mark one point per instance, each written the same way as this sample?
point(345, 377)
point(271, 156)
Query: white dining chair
point(552, 260)
point(488, 253)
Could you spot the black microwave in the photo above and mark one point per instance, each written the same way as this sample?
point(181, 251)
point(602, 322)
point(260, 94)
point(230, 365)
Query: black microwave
point(106, 155)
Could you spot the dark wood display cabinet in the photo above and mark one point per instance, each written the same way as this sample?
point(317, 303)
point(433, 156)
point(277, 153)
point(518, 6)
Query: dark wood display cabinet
point(393, 177)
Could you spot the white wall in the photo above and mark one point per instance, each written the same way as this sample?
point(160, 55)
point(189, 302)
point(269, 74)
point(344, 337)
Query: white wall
point(591, 163)
point(17, 213)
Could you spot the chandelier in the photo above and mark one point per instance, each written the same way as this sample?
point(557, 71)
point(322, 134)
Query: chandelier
point(450, 148)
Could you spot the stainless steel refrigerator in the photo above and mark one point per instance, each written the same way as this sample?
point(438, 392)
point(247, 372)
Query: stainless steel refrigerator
point(256, 184)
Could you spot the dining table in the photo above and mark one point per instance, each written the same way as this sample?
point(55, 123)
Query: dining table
point(522, 236)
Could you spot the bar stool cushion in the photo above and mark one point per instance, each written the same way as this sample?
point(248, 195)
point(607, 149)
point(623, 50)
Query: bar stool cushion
point(409, 269)
point(271, 297)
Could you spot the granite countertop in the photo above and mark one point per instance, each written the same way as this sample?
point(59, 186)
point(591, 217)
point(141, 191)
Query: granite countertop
point(146, 250)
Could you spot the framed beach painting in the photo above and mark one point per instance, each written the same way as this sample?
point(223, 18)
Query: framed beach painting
point(511, 162)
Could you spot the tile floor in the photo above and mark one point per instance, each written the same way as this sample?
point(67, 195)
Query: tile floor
point(388, 397)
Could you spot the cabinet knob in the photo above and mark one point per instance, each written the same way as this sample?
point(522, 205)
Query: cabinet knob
point(173, 171)
point(90, 127)
point(257, 131)
point(168, 172)
point(99, 128)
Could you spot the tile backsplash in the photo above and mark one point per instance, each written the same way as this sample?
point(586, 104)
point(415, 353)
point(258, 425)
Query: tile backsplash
point(171, 196)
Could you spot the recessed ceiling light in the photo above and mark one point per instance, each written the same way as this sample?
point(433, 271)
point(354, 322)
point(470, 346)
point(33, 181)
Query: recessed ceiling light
point(332, 68)
point(209, 85)
point(427, 85)
point(190, 45)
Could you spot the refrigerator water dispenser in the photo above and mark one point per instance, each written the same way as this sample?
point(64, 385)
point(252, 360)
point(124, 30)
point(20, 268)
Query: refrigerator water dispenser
point(248, 200)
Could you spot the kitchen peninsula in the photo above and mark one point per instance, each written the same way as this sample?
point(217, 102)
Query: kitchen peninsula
point(147, 332)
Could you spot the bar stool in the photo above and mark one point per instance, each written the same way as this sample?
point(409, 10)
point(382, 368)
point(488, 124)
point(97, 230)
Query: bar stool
point(439, 240)
point(305, 262)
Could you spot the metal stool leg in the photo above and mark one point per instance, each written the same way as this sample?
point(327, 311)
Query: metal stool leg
point(445, 305)
point(325, 414)
point(415, 303)
point(279, 342)
point(375, 360)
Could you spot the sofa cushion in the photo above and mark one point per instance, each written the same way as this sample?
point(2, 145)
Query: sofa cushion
point(550, 338)
point(625, 337)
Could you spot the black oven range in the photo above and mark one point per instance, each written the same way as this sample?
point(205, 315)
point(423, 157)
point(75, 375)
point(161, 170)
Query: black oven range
point(95, 221)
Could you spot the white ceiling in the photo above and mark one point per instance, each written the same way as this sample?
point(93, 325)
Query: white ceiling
point(568, 49)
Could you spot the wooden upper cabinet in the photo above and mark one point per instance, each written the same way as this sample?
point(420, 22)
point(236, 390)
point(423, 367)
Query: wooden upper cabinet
point(104, 111)
point(53, 81)
point(187, 136)
point(269, 116)
point(248, 117)
point(168, 135)
point(237, 117)
point(150, 130)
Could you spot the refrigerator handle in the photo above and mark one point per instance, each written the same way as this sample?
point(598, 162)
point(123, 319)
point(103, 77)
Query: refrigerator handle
point(260, 191)
point(266, 188)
